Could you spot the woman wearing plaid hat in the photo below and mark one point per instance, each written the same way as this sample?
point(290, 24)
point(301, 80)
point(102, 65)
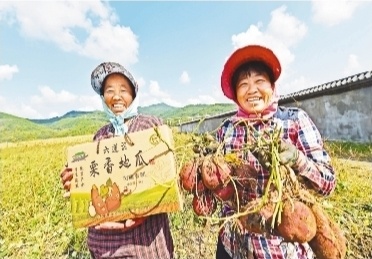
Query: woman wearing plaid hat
point(148, 237)
point(248, 79)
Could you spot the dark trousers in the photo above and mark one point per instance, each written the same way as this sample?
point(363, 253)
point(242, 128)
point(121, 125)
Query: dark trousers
point(221, 252)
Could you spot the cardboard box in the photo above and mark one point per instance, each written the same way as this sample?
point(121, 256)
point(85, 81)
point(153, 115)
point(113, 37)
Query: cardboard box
point(124, 177)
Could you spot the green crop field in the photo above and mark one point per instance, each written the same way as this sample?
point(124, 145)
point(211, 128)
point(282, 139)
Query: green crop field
point(36, 219)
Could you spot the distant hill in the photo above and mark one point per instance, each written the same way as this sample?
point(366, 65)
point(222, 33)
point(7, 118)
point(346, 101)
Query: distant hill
point(161, 110)
point(188, 112)
point(14, 128)
point(71, 114)
point(202, 110)
point(75, 123)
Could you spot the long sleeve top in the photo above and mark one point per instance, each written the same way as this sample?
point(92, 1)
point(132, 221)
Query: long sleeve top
point(313, 166)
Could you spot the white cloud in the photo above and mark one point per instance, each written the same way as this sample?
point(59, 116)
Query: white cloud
point(90, 30)
point(41, 107)
point(218, 95)
point(331, 13)
point(18, 109)
point(285, 27)
point(155, 90)
point(254, 36)
point(215, 95)
point(153, 95)
point(147, 100)
point(295, 85)
point(48, 96)
point(141, 83)
point(111, 42)
point(50, 103)
point(7, 71)
point(353, 66)
point(276, 38)
point(202, 99)
point(184, 79)
point(89, 103)
point(28, 111)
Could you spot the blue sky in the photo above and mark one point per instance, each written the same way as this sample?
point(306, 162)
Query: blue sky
point(175, 50)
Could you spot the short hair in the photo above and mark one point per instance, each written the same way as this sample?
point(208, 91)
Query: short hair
point(249, 67)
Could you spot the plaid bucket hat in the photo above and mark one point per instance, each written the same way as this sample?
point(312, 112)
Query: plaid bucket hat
point(107, 68)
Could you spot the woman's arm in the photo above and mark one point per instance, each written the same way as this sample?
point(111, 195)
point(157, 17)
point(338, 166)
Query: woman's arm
point(313, 162)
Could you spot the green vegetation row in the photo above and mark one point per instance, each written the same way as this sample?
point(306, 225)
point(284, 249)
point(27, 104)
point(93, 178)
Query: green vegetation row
point(75, 123)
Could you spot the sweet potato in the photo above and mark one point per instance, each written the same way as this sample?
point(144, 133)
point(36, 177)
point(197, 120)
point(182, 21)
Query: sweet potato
point(223, 170)
point(204, 204)
point(199, 187)
point(327, 243)
point(215, 172)
point(97, 201)
point(113, 200)
point(340, 237)
point(224, 193)
point(298, 223)
point(188, 175)
point(245, 175)
point(209, 173)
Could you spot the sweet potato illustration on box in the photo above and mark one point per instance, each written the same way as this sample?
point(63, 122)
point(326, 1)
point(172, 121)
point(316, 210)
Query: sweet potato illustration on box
point(98, 203)
point(113, 199)
point(104, 200)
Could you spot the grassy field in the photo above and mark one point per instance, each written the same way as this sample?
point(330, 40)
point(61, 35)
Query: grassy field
point(36, 222)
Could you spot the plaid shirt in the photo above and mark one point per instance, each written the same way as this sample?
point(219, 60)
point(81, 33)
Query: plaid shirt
point(314, 167)
point(150, 240)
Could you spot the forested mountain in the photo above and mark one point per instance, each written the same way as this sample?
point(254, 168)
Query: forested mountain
point(76, 123)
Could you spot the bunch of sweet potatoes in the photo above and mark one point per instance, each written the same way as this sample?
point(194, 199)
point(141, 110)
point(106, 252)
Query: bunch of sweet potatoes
point(208, 178)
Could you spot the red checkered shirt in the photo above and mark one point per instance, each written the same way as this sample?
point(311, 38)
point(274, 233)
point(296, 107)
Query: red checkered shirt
point(150, 240)
point(314, 167)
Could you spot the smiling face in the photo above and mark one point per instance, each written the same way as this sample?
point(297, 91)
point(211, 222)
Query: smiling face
point(117, 92)
point(253, 89)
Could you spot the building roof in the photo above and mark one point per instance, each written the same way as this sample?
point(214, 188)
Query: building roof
point(341, 85)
